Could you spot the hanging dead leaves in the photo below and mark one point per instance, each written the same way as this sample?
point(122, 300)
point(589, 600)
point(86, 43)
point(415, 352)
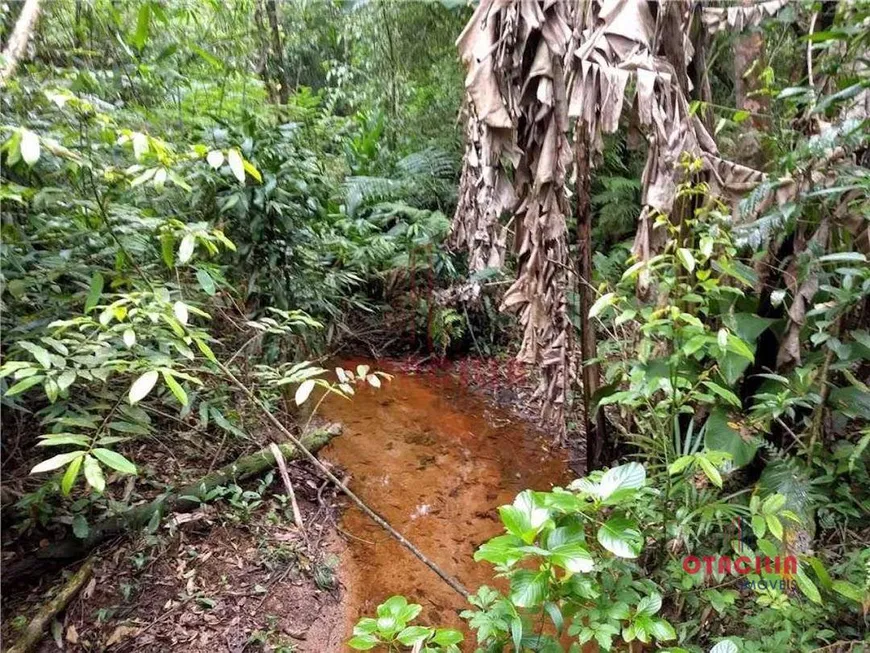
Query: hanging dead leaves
point(536, 66)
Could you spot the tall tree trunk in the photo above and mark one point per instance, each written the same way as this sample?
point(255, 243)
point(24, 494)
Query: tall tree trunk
point(594, 424)
point(19, 39)
point(278, 51)
point(391, 57)
point(263, 43)
point(749, 63)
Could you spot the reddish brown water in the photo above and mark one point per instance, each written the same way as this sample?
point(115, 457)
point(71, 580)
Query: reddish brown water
point(436, 462)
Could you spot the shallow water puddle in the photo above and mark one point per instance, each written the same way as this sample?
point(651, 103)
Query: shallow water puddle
point(436, 462)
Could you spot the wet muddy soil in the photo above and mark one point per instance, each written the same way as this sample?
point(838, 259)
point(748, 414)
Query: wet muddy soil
point(436, 461)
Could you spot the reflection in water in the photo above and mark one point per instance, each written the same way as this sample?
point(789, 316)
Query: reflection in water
point(436, 462)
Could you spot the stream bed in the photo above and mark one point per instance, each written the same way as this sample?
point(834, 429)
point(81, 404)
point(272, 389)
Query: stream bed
point(436, 461)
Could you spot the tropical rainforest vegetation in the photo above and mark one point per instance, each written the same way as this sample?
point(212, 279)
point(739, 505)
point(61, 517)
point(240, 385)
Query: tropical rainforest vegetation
point(661, 210)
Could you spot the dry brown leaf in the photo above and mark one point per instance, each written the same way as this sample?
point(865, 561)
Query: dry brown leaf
point(120, 634)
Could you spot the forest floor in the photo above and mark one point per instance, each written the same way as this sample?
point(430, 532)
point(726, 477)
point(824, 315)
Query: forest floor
point(237, 575)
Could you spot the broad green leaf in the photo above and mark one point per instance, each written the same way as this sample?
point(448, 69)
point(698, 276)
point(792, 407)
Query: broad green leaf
point(739, 347)
point(215, 159)
point(26, 384)
point(524, 518)
point(711, 471)
point(662, 630)
point(413, 634)
point(206, 56)
point(686, 259)
point(70, 475)
point(721, 435)
point(601, 303)
point(724, 393)
point(80, 526)
point(725, 646)
point(60, 439)
point(142, 386)
point(51, 390)
point(807, 586)
point(848, 590)
point(304, 391)
point(620, 536)
point(206, 282)
point(140, 145)
point(821, 573)
point(680, 464)
point(774, 525)
point(143, 24)
point(29, 147)
point(843, 257)
point(650, 605)
point(759, 525)
point(237, 165)
point(175, 387)
point(180, 310)
point(144, 177)
point(365, 625)
point(694, 344)
point(129, 338)
point(167, 249)
point(517, 633)
point(529, 588)
point(572, 556)
point(205, 349)
point(447, 637)
point(56, 462)
point(252, 170)
point(363, 642)
point(392, 606)
point(160, 179)
point(500, 550)
point(773, 504)
point(114, 460)
point(185, 250)
point(41, 354)
point(66, 379)
point(94, 475)
point(616, 480)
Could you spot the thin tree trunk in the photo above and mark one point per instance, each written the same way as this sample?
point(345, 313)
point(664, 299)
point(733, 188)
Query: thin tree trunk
point(594, 424)
point(18, 41)
point(278, 51)
point(391, 56)
point(263, 44)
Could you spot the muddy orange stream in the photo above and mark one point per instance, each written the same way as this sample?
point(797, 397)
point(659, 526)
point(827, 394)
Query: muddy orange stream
point(436, 462)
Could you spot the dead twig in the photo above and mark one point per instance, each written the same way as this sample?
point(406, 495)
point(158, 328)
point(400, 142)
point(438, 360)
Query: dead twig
point(282, 469)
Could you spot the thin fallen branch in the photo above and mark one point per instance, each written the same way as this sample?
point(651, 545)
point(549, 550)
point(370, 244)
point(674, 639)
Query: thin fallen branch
point(184, 499)
point(33, 633)
point(380, 521)
point(282, 468)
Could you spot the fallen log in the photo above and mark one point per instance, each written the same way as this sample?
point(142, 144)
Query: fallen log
point(184, 499)
point(33, 633)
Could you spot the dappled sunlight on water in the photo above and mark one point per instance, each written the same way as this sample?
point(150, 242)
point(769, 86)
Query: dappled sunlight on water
point(436, 462)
